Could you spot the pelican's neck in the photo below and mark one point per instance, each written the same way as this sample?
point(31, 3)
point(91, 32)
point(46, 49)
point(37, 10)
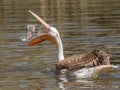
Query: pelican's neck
point(60, 49)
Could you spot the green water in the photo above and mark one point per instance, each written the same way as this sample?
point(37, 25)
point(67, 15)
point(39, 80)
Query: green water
point(84, 25)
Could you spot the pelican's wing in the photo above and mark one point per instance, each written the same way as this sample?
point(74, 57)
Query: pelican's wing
point(78, 61)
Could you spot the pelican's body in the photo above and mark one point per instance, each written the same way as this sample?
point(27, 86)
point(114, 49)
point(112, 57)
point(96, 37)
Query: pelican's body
point(91, 59)
point(95, 61)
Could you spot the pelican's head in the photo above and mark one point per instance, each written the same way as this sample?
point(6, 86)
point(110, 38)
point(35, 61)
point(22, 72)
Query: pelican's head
point(51, 33)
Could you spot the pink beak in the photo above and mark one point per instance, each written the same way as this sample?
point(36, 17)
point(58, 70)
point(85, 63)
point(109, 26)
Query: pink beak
point(41, 37)
point(40, 20)
point(38, 39)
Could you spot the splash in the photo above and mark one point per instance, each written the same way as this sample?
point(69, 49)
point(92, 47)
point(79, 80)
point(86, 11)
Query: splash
point(30, 32)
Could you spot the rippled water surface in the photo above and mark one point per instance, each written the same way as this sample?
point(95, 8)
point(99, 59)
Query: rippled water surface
point(84, 25)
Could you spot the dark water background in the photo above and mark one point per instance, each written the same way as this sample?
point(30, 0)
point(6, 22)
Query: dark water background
point(83, 24)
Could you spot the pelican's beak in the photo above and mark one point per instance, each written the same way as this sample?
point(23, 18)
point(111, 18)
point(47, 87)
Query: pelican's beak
point(43, 36)
point(40, 20)
point(38, 39)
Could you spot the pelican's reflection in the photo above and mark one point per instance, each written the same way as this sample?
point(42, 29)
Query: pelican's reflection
point(102, 81)
point(69, 82)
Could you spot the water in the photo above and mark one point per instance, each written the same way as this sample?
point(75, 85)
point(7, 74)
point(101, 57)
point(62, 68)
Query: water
point(83, 25)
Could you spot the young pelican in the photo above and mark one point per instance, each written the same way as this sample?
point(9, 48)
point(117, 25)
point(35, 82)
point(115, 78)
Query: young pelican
point(94, 62)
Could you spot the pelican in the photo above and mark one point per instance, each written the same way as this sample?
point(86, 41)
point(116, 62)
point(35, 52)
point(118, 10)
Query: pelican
point(94, 62)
